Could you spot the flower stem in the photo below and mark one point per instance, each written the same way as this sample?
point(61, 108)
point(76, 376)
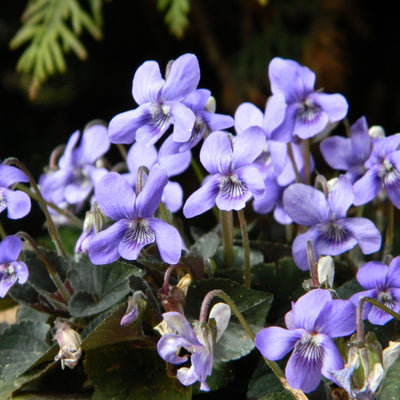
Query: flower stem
point(359, 314)
point(50, 224)
point(389, 231)
point(49, 267)
point(291, 156)
point(295, 393)
point(227, 237)
point(306, 158)
point(246, 248)
point(312, 262)
point(74, 220)
point(3, 232)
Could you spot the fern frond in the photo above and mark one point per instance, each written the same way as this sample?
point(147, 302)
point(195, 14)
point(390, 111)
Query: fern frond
point(176, 15)
point(51, 29)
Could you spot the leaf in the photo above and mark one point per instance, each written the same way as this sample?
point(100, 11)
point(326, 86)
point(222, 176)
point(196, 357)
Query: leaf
point(123, 372)
point(48, 24)
point(391, 384)
point(98, 288)
point(253, 304)
point(107, 330)
point(176, 15)
point(21, 346)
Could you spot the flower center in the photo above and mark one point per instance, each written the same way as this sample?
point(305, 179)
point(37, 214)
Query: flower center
point(335, 234)
point(139, 232)
point(386, 298)
point(231, 187)
point(310, 349)
point(159, 115)
point(3, 204)
point(308, 111)
point(389, 174)
point(7, 274)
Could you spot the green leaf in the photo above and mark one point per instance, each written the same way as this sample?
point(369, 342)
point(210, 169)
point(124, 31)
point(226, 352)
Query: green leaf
point(391, 384)
point(123, 372)
point(107, 330)
point(98, 288)
point(176, 15)
point(253, 304)
point(21, 346)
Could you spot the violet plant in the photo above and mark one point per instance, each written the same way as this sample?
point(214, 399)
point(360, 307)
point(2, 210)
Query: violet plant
point(122, 290)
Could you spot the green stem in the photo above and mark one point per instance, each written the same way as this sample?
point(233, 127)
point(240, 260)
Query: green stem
point(389, 231)
point(246, 248)
point(306, 159)
point(50, 224)
point(227, 237)
point(49, 267)
point(3, 232)
point(74, 220)
point(291, 156)
point(295, 393)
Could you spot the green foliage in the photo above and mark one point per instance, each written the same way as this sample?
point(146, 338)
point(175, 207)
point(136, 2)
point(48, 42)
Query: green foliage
point(176, 15)
point(51, 28)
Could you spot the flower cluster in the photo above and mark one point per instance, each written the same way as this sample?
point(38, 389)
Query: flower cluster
point(134, 234)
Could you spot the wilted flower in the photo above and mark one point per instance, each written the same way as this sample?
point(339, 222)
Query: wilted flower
point(11, 270)
point(70, 344)
point(312, 324)
point(199, 342)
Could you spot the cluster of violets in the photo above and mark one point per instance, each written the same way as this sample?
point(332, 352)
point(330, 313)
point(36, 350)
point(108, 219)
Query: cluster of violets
point(266, 161)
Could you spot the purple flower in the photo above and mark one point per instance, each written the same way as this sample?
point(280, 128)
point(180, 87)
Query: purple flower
point(313, 322)
point(381, 282)
point(331, 232)
point(135, 226)
point(234, 179)
point(160, 103)
point(73, 182)
point(199, 342)
point(307, 111)
point(383, 172)
point(349, 154)
point(18, 203)
point(11, 270)
point(174, 164)
point(203, 106)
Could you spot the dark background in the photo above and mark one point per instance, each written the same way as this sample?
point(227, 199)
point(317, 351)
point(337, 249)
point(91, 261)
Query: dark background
point(352, 46)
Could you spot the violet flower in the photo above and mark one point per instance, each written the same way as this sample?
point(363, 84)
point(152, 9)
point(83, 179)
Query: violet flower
point(18, 203)
point(160, 103)
point(331, 232)
point(307, 111)
point(199, 342)
point(207, 120)
point(11, 269)
point(73, 182)
point(135, 226)
point(382, 283)
point(349, 154)
point(312, 324)
point(174, 164)
point(383, 172)
point(234, 179)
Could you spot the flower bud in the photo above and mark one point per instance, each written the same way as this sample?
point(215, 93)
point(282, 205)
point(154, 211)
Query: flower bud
point(136, 305)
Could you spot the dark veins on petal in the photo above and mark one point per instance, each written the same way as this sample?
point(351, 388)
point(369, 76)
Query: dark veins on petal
point(159, 115)
point(139, 232)
point(308, 112)
point(310, 350)
point(231, 187)
point(335, 234)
